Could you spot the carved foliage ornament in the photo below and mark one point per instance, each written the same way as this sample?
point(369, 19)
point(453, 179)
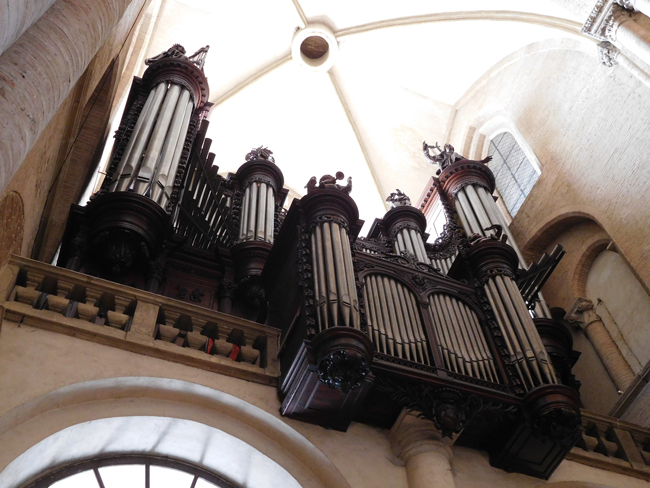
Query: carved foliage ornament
point(607, 53)
point(559, 425)
point(343, 370)
point(450, 410)
point(306, 279)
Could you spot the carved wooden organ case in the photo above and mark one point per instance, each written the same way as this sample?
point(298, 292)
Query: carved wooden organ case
point(369, 325)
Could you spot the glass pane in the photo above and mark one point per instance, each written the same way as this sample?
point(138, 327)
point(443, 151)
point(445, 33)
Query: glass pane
point(85, 479)
point(169, 478)
point(513, 172)
point(127, 476)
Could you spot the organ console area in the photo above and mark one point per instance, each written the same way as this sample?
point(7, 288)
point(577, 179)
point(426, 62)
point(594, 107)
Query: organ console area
point(452, 327)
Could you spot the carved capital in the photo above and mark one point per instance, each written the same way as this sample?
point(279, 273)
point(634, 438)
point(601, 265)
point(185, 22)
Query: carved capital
point(606, 17)
point(411, 435)
point(582, 313)
point(607, 53)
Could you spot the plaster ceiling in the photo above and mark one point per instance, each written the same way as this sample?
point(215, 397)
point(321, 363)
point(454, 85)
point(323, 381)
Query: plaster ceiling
point(401, 68)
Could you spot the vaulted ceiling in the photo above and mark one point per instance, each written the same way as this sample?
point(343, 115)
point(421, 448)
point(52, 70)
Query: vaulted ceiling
point(401, 68)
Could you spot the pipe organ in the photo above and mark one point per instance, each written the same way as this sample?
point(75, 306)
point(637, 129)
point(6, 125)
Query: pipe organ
point(369, 325)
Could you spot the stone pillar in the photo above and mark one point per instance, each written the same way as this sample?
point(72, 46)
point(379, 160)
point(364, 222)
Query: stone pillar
point(426, 455)
point(631, 34)
point(582, 314)
point(42, 66)
point(19, 16)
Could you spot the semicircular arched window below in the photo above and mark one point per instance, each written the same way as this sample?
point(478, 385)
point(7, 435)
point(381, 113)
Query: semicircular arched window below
point(130, 473)
point(515, 175)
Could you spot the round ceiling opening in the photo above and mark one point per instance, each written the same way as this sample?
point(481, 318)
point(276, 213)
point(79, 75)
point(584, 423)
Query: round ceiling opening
point(315, 47)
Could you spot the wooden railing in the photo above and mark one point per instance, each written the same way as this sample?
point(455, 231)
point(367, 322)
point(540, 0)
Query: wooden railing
point(93, 309)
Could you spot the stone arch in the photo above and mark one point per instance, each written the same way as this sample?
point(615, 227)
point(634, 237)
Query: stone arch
point(26, 429)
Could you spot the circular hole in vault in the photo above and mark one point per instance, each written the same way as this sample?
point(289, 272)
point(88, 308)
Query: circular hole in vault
point(314, 47)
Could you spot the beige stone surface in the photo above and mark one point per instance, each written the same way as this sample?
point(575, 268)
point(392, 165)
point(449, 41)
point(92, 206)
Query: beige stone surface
point(38, 174)
point(12, 222)
point(42, 362)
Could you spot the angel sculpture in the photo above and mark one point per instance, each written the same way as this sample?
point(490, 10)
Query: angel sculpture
point(446, 156)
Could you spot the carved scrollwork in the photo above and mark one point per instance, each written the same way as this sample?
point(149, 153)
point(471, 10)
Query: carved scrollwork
point(372, 245)
point(451, 239)
point(559, 425)
point(278, 219)
point(450, 410)
point(497, 336)
point(320, 219)
point(261, 179)
point(343, 370)
point(306, 279)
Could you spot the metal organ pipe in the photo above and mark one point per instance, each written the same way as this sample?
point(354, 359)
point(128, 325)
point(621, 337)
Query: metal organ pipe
point(463, 344)
point(334, 283)
point(140, 139)
point(394, 319)
point(258, 212)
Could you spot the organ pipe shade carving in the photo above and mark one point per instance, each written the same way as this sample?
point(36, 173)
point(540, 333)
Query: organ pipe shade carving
point(394, 322)
point(334, 284)
point(462, 342)
point(258, 213)
point(150, 160)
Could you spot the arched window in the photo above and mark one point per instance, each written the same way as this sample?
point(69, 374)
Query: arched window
point(131, 472)
point(515, 175)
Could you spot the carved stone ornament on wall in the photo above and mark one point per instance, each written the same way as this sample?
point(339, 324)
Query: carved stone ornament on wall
point(343, 370)
point(607, 53)
point(605, 17)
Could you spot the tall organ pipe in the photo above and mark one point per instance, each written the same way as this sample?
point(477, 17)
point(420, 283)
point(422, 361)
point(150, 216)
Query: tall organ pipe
point(394, 314)
point(495, 263)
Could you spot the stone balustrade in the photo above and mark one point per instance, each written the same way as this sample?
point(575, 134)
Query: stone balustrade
point(67, 302)
point(613, 445)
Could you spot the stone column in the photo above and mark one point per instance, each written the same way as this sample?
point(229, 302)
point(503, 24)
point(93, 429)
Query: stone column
point(17, 17)
point(42, 66)
point(582, 314)
point(426, 455)
point(631, 34)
